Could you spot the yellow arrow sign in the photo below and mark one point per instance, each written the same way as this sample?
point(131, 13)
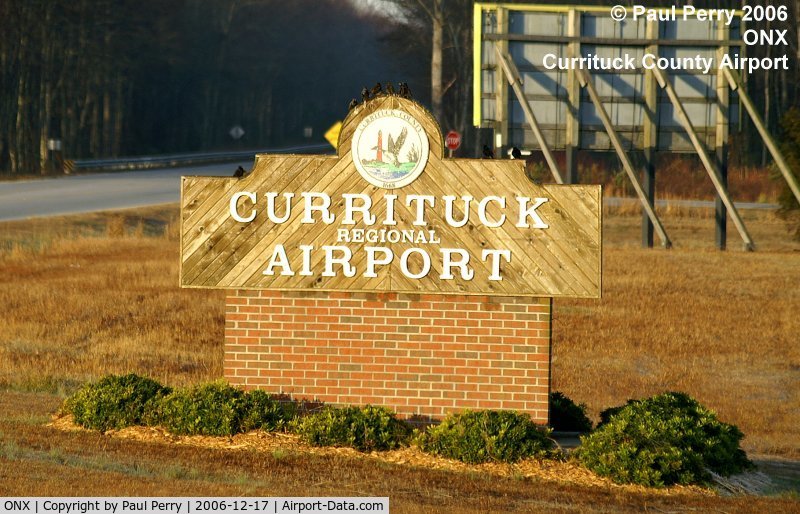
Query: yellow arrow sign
point(332, 135)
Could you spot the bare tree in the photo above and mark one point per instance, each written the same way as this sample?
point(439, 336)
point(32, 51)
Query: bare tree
point(450, 49)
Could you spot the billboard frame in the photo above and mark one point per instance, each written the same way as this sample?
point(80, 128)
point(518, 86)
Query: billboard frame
point(726, 82)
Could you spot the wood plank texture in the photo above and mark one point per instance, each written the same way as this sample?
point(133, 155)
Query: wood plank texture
point(217, 251)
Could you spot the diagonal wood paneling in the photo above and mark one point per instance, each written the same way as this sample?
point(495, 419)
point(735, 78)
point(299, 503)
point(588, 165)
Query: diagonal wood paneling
point(219, 252)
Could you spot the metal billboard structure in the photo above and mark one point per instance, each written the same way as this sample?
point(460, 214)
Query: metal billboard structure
point(533, 102)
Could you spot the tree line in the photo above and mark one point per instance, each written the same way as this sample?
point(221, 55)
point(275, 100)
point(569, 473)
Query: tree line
point(124, 77)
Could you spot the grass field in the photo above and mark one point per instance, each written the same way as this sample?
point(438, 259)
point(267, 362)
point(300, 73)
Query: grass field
point(90, 295)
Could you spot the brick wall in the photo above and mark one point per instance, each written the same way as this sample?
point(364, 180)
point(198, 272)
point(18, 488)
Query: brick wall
point(418, 354)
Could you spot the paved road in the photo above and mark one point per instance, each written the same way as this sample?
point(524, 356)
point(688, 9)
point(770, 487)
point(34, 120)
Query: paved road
point(616, 202)
point(125, 190)
point(100, 191)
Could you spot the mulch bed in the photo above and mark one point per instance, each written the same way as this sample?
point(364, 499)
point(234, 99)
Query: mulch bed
point(282, 443)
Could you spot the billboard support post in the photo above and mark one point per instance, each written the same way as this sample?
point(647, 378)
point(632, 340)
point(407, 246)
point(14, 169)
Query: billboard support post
point(710, 166)
point(649, 186)
point(650, 142)
point(780, 162)
point(721, 139)
point(573, 121)
point(512, 74)
point(546, 46)
point(646, 200)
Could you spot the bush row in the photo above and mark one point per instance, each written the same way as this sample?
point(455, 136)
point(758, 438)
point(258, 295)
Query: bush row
point(215, 408)
point(218, 409)
point(663, 440)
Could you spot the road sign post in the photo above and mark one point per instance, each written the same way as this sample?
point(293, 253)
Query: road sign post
point(236, 132)
point(452, 141)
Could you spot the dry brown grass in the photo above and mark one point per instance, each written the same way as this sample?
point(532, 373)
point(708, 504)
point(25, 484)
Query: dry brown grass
point(693, 228)
point(683, 176)
point(721, 326)
point(89, 306)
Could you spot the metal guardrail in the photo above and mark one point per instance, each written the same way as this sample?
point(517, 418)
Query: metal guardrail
point(183, 159)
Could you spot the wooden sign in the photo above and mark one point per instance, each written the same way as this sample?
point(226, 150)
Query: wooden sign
point(390, 213)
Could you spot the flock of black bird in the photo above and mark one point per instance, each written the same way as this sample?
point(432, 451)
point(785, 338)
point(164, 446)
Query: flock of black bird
point(377, 90)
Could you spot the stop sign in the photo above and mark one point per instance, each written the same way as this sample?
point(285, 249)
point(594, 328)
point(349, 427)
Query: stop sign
point(453, 140)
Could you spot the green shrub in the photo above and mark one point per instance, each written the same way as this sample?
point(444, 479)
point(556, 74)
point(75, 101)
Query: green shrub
point(262, 411)
point(209, 409)
point(663, 440)
point(115, 402)
point(363, 428)
point(215, 408)
point(606, 415)
point(566, 415)
point(483, 436)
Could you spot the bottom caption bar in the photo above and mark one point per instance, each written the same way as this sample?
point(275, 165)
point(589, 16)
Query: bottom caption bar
point(191, 505)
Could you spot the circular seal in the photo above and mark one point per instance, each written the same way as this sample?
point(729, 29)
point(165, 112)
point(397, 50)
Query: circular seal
point(390, 148)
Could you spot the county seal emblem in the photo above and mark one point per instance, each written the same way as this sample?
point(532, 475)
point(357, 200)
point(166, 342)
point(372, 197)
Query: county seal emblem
point(390, 148)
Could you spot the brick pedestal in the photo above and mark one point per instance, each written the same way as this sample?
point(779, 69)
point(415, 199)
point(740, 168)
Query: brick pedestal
point(422, 355)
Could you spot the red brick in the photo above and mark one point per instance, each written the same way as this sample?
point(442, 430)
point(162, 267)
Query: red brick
point(418, 354)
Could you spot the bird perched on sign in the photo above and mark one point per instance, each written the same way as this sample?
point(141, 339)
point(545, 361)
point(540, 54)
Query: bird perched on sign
point(516, 153)
point(364, 94)
point(487, 152)
point(239, 173)
point(352, 105)
point(376, 89)
point(405, 92)
point(389, 88)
